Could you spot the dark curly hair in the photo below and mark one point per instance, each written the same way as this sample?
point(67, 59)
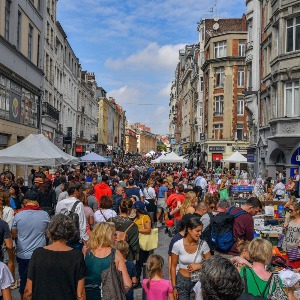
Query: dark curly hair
point(126, 206)
point(220, 280)
point(61, 227)
point(106, 202)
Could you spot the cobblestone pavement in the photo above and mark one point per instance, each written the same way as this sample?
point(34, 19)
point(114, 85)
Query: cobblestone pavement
point(163, 243)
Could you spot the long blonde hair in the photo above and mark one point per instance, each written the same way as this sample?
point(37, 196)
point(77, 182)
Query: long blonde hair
point(101, 236)
point(187, 202)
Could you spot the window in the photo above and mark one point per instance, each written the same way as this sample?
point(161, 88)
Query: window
point(220, 76)
point(202, 57)
point(240, 105)
point(19, 29)
point(249, 69)
point(30, 35)
point(250, 31)
point(218, 131)
point(201, 109)
point(242, 47)
point(241, 77)
point(292, 99)
point(220, 49)
point(7, 17)
point(219, 105)
point(201, 84)
point(202, 35)
point(293, 34)
point(38, 50)
point(239, 132)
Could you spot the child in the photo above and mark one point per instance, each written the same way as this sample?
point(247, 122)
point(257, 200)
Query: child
point(157, 288)
point(243, 258)
point(123, 247)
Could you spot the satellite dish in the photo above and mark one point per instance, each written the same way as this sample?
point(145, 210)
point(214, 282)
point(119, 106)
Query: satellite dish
point(216, 26)
point(216, 19)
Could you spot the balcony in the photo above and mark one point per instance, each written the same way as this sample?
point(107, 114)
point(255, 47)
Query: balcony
point(285, 131)
point(49, 110)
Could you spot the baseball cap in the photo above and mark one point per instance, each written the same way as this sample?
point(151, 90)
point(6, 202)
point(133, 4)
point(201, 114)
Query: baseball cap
point(139, 205)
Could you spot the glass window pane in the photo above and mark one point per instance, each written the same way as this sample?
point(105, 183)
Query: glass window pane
point(289, 22)
point(289, 40)
point(296, 102)
point(297, 40)
point(288, 103)
point(298, 20)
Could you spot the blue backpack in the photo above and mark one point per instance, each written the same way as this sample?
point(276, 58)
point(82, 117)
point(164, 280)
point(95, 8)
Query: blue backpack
point(222, 229)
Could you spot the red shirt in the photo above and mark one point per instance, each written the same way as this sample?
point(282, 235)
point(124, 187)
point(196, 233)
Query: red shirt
point(102, 189)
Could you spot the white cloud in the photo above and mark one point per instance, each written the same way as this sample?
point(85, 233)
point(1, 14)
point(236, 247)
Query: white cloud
point(153, 57)
point(166, 90)
point(125, 95)
point(160, 110)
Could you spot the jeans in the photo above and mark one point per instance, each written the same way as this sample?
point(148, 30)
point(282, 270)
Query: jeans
point(143, 256)
point(23, 268)
point(185, 287)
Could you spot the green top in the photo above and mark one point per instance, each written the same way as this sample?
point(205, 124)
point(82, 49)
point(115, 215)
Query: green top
point(94, 268)
point(255, 284)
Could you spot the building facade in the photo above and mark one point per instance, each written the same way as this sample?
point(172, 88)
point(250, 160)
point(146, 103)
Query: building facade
point(279, 98)
point(21, 69)
point(130, 140)
point(225, 125)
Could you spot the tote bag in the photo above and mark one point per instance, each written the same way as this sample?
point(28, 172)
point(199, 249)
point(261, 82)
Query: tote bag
point(223, 194)
point(148, 241)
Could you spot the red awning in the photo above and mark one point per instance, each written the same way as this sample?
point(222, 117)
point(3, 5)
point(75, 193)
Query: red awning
point(217, 156)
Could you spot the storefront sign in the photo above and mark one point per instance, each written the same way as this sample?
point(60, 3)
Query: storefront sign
point(3, 140)
point(67, 140)
point(78, 149)
point(15, 102)
point(202, 136)
point(217, 157)
point(239, 148)
point(216, 148)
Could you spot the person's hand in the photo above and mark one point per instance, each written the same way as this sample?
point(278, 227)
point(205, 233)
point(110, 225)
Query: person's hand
point(193, 267)
point(175, 293)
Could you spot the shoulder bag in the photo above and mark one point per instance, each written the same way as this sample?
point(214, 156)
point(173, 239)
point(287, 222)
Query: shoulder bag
point(195, 275)
point(148, 241)
point(278, 292)
point(112, 282)
point(104, 216)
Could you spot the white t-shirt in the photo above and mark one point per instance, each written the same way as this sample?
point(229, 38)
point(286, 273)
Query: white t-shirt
point(184, 258)
point(149, 193)
point(108, 214)
point(6, 278)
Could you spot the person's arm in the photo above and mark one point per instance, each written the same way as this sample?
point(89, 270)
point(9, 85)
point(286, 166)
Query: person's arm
point(146, 229)
point(6, 294)
point(133, 240)
point(121, 266)
point(91, 220)
point(8, 243)
point(166, 195)
point(174, 261)
point(28, 290)
point(81, 290)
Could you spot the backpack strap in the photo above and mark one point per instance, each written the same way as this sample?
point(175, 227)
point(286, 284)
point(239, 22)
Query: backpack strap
point(74, 206)
point(241, 212)
point(102, 214)
point(245, 279)
point(129, 227)
point(267, 285)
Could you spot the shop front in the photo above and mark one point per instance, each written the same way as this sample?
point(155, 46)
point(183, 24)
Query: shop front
point(216, 156)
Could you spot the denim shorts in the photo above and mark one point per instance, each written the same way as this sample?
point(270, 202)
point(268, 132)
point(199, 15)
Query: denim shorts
point(185, 287)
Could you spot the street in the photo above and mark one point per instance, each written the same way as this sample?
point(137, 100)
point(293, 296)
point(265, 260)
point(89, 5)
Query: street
point(163, 244)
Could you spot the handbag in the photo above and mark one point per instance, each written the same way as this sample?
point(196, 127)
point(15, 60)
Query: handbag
point(149, 241)
point(223, 194)
point(278, 292)
point(195, 275)
point(112, 282)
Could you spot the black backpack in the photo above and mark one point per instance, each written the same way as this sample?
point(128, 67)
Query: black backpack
point(75, 218)
point(222, 229)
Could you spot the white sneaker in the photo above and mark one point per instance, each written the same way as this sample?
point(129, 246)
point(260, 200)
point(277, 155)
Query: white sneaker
point(158, 224)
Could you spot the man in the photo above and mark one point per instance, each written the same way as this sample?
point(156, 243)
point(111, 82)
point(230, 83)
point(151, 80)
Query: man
point(102, 189)
point(243, 226)
point(202, 212)
point(115, 183)
point(61, 189)
point(296, 180)
point(65, 206)
point(133, 190)
point(117, 198)
point(56, 181)
point(29, 228)
point(223, 206)
point(279, 189)
point(162, 202)
point(136, 175)
point(201, 181)
point(124, 182)
point(31, 178)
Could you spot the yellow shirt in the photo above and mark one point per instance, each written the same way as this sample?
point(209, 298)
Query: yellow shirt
point(143, 219)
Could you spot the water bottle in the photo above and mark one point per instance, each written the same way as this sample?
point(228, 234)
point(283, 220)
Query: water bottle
point(281, 212)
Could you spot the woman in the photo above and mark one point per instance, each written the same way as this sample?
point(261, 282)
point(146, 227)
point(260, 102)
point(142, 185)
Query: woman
point(189, 204)
point(256, 278)
point(98, 259)
point(6, 280)
point(291, 240)
point(223, 189)
point(15, 197)
point(211, 202)
point(290, 187)
point(258, 189)
point(47, 199)
point(105, 213)
point(213, 187)
point(89, 214)
point(143, 221)
point(56, 271)
point(188, 254)
point(122, 223)
point(150, 197)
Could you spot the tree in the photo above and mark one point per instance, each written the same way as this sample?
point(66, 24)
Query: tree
point(161, 147)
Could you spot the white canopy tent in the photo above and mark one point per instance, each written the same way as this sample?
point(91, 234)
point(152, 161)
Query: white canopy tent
point(36, 150)
point(171, 157)
point(93, 157)
point(236, 157)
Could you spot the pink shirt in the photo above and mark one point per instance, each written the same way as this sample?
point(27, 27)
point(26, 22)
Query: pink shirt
point(159, 289)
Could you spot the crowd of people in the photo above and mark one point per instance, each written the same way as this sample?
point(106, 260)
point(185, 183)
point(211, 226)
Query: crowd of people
point(72, 232)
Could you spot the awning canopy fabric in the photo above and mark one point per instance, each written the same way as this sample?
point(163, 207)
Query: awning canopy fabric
point(171, 157)
point(236, 157)
point(93, 157)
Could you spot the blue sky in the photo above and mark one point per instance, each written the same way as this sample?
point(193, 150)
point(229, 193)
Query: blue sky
point(132, 47)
